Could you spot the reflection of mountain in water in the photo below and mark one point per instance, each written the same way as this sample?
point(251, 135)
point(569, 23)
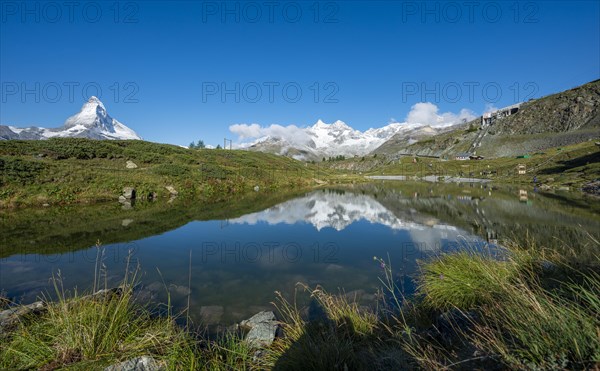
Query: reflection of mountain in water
point(335, 210)
point(338, 210)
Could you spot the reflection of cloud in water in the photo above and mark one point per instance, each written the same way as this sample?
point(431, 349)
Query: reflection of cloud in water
point(16, 267)
point(338, 211)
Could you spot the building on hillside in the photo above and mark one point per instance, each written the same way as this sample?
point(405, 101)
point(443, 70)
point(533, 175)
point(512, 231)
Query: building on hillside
point(475, 157)
point(462, 156)
point(522, 195)
point(489, 118)
point(521, 169)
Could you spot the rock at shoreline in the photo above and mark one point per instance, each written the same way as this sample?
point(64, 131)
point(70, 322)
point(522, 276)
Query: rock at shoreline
point(129, 193)
point(10, 317)
point(263, 329)
point(143, 363)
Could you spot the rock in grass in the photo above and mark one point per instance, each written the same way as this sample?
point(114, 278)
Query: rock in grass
point(131, 165)
point(143, 363)
point(592, 188)
point(263, 328)
point(172, 190)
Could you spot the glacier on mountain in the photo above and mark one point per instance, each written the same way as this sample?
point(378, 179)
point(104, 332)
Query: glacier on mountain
point(324, 140)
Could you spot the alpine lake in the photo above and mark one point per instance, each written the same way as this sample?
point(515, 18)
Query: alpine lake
point(227, 260)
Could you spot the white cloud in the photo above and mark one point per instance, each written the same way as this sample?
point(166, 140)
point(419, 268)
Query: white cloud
point(426, 113)
point(291, 133)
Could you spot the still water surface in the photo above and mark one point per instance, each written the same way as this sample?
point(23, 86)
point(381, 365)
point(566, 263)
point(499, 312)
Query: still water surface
point(237, 254)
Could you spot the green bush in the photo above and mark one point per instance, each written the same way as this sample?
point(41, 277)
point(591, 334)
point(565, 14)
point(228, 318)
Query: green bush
point(171, 170)
point(19, 171)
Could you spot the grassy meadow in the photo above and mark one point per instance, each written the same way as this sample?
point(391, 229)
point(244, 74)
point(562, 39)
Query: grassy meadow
point(74, 170)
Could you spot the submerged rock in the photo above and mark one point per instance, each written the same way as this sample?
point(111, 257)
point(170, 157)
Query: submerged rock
point(263, 329)
point(211, 314)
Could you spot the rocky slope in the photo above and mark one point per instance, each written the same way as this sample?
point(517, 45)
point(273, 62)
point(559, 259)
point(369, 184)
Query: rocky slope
point(561, 119)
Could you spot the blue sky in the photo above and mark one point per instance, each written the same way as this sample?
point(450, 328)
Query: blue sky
point(162, 67)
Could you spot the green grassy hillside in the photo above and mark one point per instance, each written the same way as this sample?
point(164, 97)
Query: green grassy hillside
point(570, 166)
point(74, 170)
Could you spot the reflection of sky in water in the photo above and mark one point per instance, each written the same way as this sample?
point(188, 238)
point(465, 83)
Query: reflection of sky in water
point(323, 238)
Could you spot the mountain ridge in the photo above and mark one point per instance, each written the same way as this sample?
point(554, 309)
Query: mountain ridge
point(338, 138)
point(92, 122)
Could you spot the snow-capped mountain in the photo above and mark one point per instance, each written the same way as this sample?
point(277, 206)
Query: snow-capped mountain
point(91, 122)
point(324, 140)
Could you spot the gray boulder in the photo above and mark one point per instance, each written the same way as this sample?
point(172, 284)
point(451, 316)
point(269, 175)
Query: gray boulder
point(263, 329)
point(143, 363)
point(10, 317)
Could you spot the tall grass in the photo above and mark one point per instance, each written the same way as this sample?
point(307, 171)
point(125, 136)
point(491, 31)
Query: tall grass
point(532, 328)
point(95, 330)
point(526, 315)
point(228, 352)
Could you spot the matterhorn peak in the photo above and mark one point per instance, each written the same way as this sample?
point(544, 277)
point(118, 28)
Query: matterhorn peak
point(92, 121)
point(92, 103)
point(94, 99)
